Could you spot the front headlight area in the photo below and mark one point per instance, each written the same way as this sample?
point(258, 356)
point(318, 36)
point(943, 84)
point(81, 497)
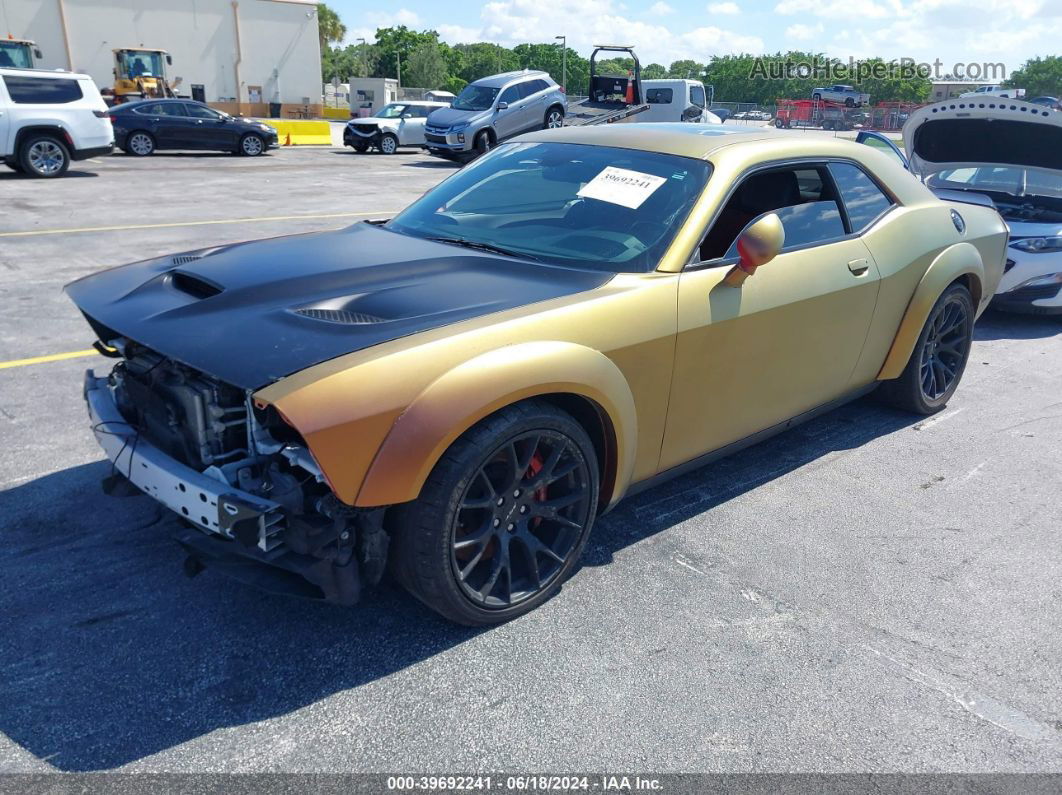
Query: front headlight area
point(1038, 245)
point(1040, 281)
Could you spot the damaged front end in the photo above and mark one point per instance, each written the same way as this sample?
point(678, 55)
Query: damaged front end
point(242, 479)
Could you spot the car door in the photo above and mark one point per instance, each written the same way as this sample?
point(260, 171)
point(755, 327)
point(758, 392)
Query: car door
point(785, 342)
point(167, 122)
point(6, 144)
point(533, 104)
point(507, 119)
point(411, 128)
point(210, 129)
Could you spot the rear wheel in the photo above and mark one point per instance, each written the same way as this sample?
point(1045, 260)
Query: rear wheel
point(503, 517)
point(251, 145)
point(554, 119)
point(939, 357)
point(388, 144)
point(140, 144)
point(44, 156)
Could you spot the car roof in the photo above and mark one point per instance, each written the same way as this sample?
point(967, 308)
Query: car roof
point(54, 73)
point(432, 102)
point(136, 103)
point(504, 78)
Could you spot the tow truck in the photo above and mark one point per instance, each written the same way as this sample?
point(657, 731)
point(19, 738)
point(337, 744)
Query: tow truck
point(612, 97)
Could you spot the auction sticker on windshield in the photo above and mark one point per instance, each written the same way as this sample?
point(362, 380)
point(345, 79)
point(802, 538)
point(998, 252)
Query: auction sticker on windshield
point(621, 186)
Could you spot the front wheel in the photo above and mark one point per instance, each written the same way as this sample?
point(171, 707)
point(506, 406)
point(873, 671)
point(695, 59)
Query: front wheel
point(388, 144)
point(939, 357)
point(554, 119)
point(502, 519)
point(251, 145)
point(483, 143)
point(44, 156)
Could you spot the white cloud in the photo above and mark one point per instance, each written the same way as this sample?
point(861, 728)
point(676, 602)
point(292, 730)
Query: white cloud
point(588, 22)
point(724, 8)
point(660, 9)
point(802, 32)
point(834, 9)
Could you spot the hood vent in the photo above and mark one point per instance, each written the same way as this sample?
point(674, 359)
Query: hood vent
point(184, 259)
point(195, 286)
point(341, 316)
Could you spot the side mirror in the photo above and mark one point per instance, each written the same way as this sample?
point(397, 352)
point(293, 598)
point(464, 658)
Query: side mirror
point(758, 244)
point(503, 105)
point(169, 60)
point(37, 52)
point(407, 115)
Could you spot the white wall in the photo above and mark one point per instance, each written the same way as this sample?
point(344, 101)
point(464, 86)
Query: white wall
point(200, 35)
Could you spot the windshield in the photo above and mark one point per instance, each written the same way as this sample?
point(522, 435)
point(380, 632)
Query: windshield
point(140, 64)
point(15, 54)
point(565, 204)
point(392, 111)
point(1011, 180)
point(475, 97)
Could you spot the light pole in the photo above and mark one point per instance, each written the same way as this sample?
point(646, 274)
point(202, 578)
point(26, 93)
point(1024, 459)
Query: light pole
point(564, 62)
point(364, 60)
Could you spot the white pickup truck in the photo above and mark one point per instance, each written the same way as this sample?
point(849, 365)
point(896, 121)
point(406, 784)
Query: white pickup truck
point(995, 91)
point(838, 93)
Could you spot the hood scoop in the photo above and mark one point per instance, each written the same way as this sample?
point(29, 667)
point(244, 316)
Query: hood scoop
point(195, 286)
point(343, 317)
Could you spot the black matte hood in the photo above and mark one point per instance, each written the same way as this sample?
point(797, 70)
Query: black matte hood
point(251, 313)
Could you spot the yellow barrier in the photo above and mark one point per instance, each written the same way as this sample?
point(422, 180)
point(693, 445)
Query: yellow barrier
point(339, 114)
point(297, 132)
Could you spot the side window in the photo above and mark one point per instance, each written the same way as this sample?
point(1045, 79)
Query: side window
point(802, 197)
point(199, 112)
point(154, 109)
point(172, 109)
point(863, 199)
point(697, 96)
point(659, 96)
point(511, 94)
point(42, 90)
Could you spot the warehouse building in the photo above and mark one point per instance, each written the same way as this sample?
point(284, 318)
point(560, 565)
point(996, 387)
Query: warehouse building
point(241, 56)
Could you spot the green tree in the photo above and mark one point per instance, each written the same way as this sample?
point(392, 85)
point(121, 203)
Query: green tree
point(482, 59)
point(550, 58)
point(687, 70)
point(397, 43)
point(1039, 77)
point(329, 26)
point(454, 84)
point(654, 71)
point(426, 67)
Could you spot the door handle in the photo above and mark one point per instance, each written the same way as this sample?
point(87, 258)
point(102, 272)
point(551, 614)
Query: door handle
point(859, 266)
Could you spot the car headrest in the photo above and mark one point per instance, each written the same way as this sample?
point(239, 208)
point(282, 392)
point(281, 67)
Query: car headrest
point(769, 191)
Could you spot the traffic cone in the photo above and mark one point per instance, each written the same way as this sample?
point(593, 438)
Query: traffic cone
point(287, 140)
point(629, 99)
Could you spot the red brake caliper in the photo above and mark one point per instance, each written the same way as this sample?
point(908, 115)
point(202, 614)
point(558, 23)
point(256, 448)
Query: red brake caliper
point(540, 493)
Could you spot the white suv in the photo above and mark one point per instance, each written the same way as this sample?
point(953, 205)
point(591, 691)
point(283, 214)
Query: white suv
point(48, 119)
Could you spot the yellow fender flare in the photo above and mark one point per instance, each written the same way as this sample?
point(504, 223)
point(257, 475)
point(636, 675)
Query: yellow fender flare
point(954, 262)
point(463, 396)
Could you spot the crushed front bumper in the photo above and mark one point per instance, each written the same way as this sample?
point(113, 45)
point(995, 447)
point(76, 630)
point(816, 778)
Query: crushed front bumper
point(236, 531)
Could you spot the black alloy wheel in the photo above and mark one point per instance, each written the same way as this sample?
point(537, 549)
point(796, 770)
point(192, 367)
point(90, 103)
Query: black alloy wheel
point(520, 519)
point(503, 517)
point(944, 351)
point(939, 358)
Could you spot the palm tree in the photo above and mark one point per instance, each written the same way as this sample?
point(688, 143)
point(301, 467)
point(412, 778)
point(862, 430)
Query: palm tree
point(331, 29)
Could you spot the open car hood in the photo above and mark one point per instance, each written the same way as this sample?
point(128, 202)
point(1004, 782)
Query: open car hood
point(252, 313)
point(988, 131)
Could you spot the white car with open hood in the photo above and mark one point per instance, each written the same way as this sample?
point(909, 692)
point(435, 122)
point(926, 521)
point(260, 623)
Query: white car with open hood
point(394, 125)
point(1007, 153)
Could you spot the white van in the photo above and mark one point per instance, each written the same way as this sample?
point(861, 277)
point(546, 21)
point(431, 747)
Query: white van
point(48, 119)
point(676, 100)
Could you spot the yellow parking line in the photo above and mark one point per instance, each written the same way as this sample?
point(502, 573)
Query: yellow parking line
point(262, 219)
point(52, 357)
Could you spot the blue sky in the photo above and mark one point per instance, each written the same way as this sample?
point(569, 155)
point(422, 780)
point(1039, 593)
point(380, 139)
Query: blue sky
point(954, 31)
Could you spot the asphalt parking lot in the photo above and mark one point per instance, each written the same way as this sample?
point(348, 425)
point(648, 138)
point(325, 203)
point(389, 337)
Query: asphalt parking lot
point(869, 592)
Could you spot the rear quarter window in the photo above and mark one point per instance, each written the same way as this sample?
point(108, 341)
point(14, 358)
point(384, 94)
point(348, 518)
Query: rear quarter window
point(659, 96)
point(42, 90)
point(863, 199)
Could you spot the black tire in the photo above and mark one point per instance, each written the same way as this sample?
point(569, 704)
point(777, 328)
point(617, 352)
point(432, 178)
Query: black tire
point(360, 148)
point(483, 143)
point(939, 357)
point(252, 145)
point(388, 144)
point(779, 123)
point(43, 156)
point(849, 102)
point(554, 118)
point(139, 143)
point(488, 480)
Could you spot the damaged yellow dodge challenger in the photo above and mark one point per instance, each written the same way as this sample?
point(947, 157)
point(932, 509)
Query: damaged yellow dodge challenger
point(456, 393)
